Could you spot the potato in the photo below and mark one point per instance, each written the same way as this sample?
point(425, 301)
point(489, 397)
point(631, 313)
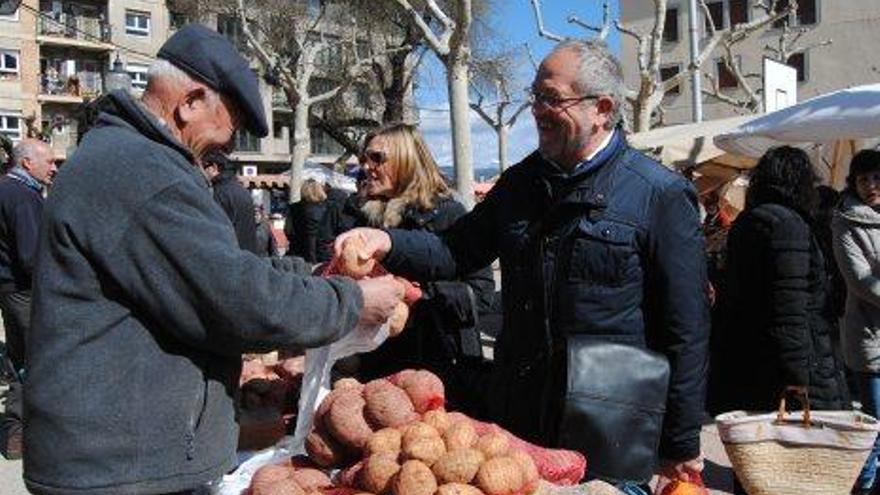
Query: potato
point(414, 478)
point(311, 479)
point(418, 430)
point(500, 476)
point(529, 469)
point(426, 449)
point(493, 444)
point(455, 417)
point(348, 382)
point(438, 418)
point(324, 450)
point(461, 435)
point(286, 486)
point(378, 472)
point(354, 261)
point(387, 405)
point(458, 466)
point(398, 318)
point(424, 388)
point(266, 476)
point(346, 422)
point(458, 489)
point(325, 405)
point(386, 440)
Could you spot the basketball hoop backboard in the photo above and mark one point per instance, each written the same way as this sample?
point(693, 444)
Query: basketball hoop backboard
point(780, 85)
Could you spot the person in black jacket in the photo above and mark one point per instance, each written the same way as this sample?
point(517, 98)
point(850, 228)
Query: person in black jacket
point(773, 331)
point(405, 190)
point(21, 206)
point(596, 242)
point(235, 200)
point(305, 226)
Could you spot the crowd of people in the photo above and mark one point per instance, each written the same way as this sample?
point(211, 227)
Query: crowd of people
point(131, 292)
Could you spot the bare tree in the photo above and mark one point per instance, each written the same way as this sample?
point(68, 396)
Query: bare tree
point(646, 101)
point(447, 34)
point(498, 100)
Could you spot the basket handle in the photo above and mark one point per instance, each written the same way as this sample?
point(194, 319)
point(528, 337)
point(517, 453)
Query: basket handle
point(800, 392)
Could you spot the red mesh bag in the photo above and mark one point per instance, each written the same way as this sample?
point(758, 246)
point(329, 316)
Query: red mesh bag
point(558, 466)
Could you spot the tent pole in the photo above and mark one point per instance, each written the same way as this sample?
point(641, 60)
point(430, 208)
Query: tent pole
point(696, 83)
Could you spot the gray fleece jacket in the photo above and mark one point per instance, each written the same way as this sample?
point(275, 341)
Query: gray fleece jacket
point(143, 305)
point(856, 230)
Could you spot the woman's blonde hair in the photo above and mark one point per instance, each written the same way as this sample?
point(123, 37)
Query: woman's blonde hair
point(418, 178)
point(312, 191)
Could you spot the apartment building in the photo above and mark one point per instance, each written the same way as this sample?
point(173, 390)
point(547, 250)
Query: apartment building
point(852, 58)
point(57, 54)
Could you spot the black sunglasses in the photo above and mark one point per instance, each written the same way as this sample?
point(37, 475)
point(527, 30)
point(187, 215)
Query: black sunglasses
point(375, 156)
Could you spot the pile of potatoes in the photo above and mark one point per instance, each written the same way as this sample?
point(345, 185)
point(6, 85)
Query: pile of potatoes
point(285, 479)
point(442, 453)
point(347, 418)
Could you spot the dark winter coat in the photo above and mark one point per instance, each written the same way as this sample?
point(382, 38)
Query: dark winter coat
point(771, 330)
point(441, 333)
point(305, 228)
point(21, 206)
point(143, 305)
point(620, 258)
point(239, 207)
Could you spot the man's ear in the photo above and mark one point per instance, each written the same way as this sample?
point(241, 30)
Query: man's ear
point(191, 103)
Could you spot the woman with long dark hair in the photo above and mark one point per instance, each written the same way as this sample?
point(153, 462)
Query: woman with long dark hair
point(773, 331)
point(856, 241)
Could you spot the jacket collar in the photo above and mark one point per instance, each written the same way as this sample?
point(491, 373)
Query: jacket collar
point(854, 209)
point(21, 175)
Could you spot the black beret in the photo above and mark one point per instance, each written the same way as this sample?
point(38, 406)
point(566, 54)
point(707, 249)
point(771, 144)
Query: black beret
point(209, 56)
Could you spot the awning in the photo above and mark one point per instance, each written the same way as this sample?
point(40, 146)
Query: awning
point(831, 126)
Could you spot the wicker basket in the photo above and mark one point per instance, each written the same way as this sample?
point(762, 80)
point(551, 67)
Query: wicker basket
point(819, 453)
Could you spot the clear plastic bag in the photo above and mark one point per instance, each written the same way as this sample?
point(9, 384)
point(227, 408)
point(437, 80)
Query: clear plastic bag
point(315, 386)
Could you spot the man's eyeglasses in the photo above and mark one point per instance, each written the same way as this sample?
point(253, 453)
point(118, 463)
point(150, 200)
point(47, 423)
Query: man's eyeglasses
point(552, 101)
point(373, 156)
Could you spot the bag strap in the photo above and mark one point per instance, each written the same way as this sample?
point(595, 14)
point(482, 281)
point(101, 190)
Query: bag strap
point(801, 393)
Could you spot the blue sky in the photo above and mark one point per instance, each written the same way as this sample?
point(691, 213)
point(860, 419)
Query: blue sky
point(514, 22)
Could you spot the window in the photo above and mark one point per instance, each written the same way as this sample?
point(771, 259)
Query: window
point(245, 141)
point(799, 62)
point(331, 54)
point(668, 72)
point(670, 28)
point(229, 26)
point(716, 10)
point(8, 64)
point(323, 144)
point(137, 23)
point(176, 20)
point(10, 125)
point(363, 49)
point(362, 96)
point(138, 75)
point(739, 12)
point(806, 13)
point(319, 86)
point(726, 79)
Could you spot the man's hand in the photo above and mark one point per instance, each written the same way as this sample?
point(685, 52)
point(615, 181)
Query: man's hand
point(376, 243)
point(381, 296)
point(678, 470)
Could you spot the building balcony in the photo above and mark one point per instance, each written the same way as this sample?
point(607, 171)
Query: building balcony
point(70, 89)
point(61, 29)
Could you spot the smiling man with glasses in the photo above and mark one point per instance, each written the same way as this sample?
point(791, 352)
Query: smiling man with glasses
point(598, 244)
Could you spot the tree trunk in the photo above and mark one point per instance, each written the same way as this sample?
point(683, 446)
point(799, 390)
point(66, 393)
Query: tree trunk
point(457, 80)
point(395, 92)
point(502, 131)
point(301, 144)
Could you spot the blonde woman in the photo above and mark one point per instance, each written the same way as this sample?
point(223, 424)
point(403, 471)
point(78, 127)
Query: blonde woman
point(305, 226)
point(405, 189)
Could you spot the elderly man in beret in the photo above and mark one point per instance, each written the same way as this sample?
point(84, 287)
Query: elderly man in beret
point(143, 303)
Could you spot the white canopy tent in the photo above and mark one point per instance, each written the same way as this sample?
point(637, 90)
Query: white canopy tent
point(832, 127)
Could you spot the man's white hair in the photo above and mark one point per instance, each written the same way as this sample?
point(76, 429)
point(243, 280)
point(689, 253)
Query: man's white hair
point(163, 70)
point(27, 149)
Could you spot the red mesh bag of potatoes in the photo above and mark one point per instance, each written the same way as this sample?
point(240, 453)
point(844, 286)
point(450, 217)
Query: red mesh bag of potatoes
point(558, 466)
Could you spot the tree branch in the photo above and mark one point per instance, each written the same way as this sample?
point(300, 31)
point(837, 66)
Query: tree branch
point(536, 6)
point(439, 45)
